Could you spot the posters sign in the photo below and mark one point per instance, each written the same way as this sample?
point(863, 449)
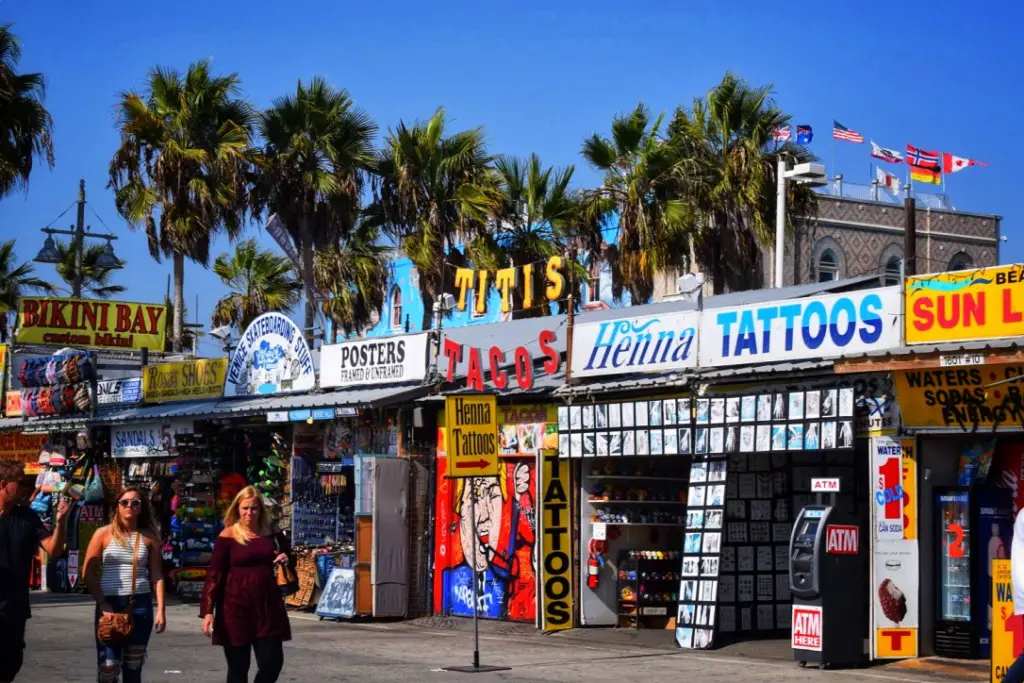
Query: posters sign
point(472, 424)
point(986, 303)
point(114, 391)
point(272, 357)
point(150, 440)
point(374, 361)
point(556, 543)
point(191, 379)
point(895, 570)
point(967, 398)
point(816, 327)
point(88, 323)
point(646, 344)
point(1007, 627)
point(806, 634)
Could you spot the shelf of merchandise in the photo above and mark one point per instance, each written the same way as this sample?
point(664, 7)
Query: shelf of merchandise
point(676, 524)
point(637, 502)
point(635, 477)
point(638, 605)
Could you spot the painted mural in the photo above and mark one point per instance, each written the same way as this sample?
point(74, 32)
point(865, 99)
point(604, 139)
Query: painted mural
point(505, 562)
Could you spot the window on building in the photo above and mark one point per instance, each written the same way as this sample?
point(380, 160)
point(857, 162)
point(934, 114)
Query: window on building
point(828, 266)
point(892, 271)
point(961, 261)
point(396, 308)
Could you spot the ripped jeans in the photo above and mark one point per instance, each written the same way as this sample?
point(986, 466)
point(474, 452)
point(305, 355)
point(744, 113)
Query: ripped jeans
point(125, 660)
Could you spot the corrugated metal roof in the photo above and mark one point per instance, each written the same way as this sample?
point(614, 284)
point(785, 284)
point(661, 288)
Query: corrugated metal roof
point(1010, 343)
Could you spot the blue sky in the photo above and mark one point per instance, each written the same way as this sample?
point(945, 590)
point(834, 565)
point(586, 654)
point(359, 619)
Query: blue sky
point(538, 76)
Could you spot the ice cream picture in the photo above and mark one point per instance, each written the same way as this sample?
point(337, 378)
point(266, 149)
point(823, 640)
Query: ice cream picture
point(894, 603)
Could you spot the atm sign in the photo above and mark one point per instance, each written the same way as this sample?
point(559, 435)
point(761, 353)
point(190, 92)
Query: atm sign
point(806, 628)
point(842, 540)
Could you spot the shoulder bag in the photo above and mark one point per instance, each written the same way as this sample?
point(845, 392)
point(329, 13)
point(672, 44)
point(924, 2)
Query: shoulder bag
point(118, 627)
point(287, 581)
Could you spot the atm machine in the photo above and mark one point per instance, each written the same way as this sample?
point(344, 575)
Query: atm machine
point(828, 579)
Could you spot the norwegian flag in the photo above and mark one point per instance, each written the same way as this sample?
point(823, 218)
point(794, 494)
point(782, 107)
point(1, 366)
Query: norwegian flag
point(952, 164)
point(922, 157)
point(781, 134)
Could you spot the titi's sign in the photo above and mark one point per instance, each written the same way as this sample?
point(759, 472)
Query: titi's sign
point(87, 323)
point(506, 280)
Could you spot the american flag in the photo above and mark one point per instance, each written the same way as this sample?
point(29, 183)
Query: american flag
point(922, 157)
point(841, 132)
point(781, 133)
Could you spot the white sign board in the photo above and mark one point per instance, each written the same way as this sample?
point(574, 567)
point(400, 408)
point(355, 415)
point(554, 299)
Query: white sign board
point(148, 440)
point(827, 326)
point(960, 360)
point(113, 391)
point(272, 357)
point(374, 361)
point(628, 345)
point(819, 485)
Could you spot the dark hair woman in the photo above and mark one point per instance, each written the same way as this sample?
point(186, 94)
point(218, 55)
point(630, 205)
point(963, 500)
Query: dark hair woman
point(127, 547)
point(242, 607)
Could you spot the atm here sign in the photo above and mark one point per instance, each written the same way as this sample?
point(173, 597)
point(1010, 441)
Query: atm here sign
point(842, 540)
point(806, 628)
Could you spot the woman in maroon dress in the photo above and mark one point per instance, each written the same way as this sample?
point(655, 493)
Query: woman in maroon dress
point(242, 608)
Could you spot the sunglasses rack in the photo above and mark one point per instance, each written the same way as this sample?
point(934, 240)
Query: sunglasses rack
point(322, 491)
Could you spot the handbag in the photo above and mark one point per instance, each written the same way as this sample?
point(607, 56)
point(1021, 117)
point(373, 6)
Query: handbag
point(94, 486)
point(118, 627)
point(287, 580)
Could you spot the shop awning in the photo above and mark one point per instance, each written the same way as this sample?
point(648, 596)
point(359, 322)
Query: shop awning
point(371, 397)
point(1008, 350)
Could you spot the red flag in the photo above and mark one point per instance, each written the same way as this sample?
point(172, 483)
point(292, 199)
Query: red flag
point(952, 164)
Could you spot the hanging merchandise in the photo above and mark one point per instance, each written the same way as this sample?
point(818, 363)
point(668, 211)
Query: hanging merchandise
point(267, 455)
point(195, 522)
point(56, 385)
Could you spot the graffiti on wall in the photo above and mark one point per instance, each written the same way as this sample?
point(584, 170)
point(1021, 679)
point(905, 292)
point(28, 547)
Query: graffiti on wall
point(504, 562)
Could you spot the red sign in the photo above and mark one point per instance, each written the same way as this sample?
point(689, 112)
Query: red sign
point(806, 628)
point(496, 360)
point(842, 540)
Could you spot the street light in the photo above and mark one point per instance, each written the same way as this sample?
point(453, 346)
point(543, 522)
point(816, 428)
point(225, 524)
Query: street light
point(106, 259)
point(804, 174)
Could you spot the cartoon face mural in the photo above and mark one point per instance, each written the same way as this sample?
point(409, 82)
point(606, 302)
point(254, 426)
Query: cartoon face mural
point(501, 557)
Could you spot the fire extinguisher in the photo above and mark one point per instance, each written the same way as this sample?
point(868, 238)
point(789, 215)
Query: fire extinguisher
point(595, 562)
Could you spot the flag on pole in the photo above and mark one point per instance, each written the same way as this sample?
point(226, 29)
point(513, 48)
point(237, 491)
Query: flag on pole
point(952, 164)
point(887, 180)
point(804, 135)
point(924, 165)
point(841, 132)
point(886, 154)
point(781, 134)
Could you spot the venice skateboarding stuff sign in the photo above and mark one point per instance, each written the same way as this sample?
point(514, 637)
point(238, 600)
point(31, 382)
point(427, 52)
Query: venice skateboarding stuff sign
point(472, 426)
point(272, 357)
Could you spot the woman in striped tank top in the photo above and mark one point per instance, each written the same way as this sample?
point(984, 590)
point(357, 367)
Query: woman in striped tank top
point(130, 539)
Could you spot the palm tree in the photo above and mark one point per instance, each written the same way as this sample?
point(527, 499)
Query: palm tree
point(95, 279)
point(732, 186)
point(419, 175)
point(353, 276)
point(26, 128)
point(259, 281)
point(533, 215)
point(16, 280)
point(317, 149)
point(188, 336)
point(642, 187)
point(181, 170)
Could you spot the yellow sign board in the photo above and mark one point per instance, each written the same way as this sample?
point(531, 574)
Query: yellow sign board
point(961, 397)
point(472, 435)
point(986, 303)
point(1007, 627)
point(556, 542)
point(89, 323)
point(191, 379)
point(12, 403)
point(909, 489)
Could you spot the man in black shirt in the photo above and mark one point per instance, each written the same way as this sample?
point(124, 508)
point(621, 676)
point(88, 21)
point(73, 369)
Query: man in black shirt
point(21, 534)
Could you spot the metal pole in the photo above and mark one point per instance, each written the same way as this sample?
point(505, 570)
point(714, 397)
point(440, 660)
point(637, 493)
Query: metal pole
point(910, 236)
point(780, 221)
point(76, 287)
point(476, 552)
point(570, 326)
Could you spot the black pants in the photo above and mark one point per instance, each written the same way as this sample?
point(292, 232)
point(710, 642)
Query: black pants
point(12, 647)
point(269, 661)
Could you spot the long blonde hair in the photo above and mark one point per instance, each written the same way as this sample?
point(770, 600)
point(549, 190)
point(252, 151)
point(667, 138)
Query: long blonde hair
point(233, 517)
point(145, 521)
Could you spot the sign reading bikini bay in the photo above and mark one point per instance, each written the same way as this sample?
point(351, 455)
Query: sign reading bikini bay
point(816, 327)
point(272, 357)
point(644, 344)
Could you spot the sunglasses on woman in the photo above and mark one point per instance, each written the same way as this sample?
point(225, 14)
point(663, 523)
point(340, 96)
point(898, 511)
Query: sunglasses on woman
point(133, 503)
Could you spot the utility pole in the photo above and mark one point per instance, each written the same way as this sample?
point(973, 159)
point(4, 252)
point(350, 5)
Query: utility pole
point(79, 245)
point(909, 235)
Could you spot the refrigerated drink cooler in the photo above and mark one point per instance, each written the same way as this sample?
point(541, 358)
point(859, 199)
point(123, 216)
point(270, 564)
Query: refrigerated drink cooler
point(975, 526)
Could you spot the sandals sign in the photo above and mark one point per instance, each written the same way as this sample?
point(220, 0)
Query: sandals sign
point(87, 323)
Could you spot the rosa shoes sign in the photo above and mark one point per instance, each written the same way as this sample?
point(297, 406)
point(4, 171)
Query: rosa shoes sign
point(374, 361)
